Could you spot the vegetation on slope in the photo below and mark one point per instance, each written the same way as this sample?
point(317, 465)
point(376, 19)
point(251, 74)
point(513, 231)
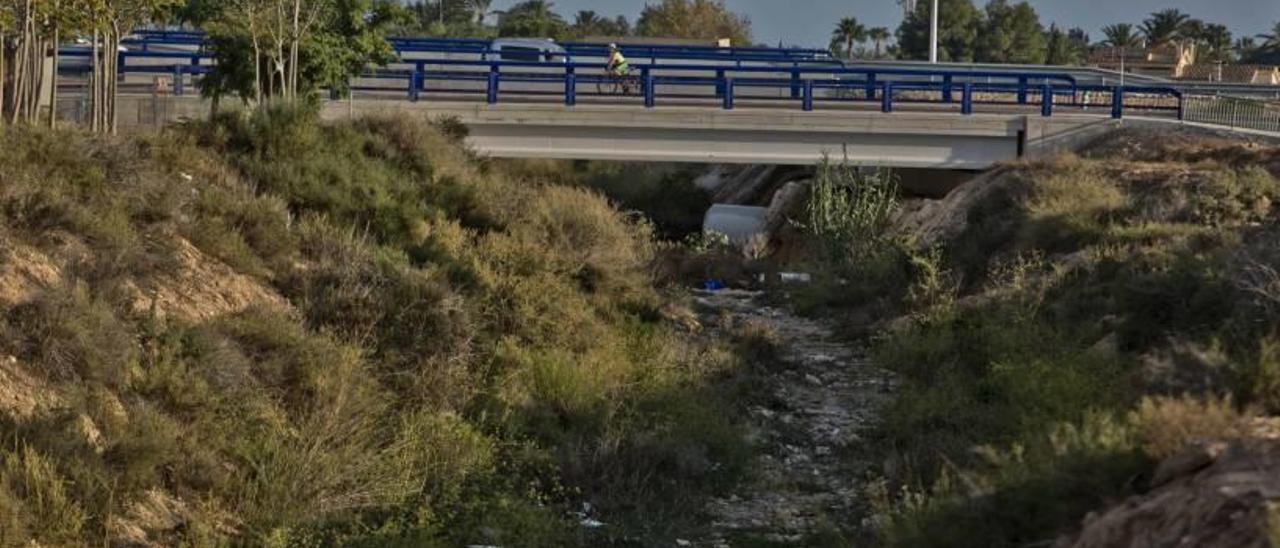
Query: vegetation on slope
point(1091, 316)
point(265, 330)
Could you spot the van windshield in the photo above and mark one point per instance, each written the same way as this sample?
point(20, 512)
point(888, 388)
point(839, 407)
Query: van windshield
point(519, 53)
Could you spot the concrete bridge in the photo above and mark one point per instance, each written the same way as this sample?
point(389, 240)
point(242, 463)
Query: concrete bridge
point(755, 136)
point(924, 138)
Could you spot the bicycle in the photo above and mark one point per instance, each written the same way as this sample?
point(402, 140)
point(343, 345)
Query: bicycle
point(613, 84)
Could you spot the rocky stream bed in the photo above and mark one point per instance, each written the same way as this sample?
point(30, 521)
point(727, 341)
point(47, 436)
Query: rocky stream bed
point(810, 471)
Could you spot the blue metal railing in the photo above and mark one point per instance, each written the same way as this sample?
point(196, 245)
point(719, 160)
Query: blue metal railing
point(887, 86)
point(717, 73)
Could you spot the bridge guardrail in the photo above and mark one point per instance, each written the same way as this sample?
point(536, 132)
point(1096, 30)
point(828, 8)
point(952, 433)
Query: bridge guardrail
point(1233, 112)
point(799, 83)
point(809, 84)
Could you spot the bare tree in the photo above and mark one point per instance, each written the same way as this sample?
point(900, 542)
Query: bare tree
point(111, 20)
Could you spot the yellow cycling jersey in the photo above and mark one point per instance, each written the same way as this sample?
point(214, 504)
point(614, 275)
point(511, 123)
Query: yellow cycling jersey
point(617, 60)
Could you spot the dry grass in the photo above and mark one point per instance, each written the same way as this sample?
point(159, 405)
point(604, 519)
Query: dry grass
point(1166, 425)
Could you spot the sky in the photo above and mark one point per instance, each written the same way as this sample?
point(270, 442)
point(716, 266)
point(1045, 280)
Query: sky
point(809, 22)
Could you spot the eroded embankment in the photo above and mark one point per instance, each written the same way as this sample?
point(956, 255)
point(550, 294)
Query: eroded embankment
point(265, 330)
point(1084, 344)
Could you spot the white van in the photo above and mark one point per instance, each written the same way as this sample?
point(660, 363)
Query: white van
point(528, 50)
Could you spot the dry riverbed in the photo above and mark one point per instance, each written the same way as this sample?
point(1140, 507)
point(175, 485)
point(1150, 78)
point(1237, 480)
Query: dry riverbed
point(811, 466)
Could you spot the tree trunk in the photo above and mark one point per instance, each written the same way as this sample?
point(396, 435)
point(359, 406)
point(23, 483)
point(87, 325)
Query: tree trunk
point(294, 38)
point(95, 94)
point(4, 73)
point(257, 58)
point(257, 72)
point(53, 84)
point(19, 71)
point(36, 70)
point(113, 82)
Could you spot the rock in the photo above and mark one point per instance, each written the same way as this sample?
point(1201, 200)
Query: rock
point(1226, 503)
point(746, 186)
point(151, 520)
point(90, 433)
point(788, 202)
point(681, 316)
point(1107, 347)
point(1185, 368)
point(1194, 458)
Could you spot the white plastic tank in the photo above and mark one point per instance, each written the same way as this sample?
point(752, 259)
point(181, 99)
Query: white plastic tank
point(739, 223)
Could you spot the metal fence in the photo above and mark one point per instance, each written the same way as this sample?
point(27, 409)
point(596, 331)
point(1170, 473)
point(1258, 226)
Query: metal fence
point(1232, 112)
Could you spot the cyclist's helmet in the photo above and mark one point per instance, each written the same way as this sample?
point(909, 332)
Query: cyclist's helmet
point(613, 47)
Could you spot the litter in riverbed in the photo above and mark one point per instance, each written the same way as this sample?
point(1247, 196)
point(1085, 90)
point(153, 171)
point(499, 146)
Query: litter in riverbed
point(795, 277)
point(585, 519)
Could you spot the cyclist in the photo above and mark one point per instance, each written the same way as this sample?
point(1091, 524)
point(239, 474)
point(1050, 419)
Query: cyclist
point(617, 63)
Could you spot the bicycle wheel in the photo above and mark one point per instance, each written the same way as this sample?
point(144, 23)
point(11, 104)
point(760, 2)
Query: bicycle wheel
point(608, 86)
point(630, 85)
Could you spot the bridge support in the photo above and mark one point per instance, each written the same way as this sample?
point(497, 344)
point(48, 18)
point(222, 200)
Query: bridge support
point(415, 84)
point(650, 90)
point(808, 96)
point(1046, 100)
point(886, 97)
point(1117, 102)
point(1022, 90)
point(728, 93)
point(966, 99)
point(179, 82)
point(946, 89)
point(570, 89)
point(492, 91)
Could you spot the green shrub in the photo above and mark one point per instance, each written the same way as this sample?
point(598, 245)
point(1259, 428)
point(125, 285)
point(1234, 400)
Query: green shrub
point(1264, 377)
point(668, 197)
point(35, 505)
point(1232, 197)
point(1027, 494)
point(849, 210)
point(1071, 209)
point(69, 333)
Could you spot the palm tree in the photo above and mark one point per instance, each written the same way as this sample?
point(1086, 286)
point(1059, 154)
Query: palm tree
point(1245, 46)
point(1121, 35)
point(1165, 26)
point(849, 32)
point(908, 7)
point(1192, 31)
point(879, 35)
point(1217, 42)
point(531, 18)
point(1271, 41)
point(587, 23)
point(482, 9)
